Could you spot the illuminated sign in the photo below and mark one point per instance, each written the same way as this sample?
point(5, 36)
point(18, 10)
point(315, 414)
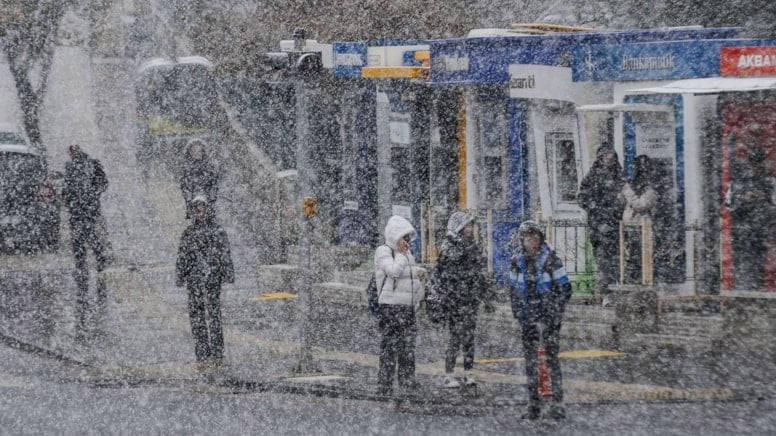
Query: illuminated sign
point(541, 81)
point(748, 61)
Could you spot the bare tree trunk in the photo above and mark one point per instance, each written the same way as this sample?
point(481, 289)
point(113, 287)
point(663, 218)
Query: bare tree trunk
point(30, 43)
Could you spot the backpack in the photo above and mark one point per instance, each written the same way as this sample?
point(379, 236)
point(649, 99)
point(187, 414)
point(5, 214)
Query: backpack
point(372, 293)
point(99, 179)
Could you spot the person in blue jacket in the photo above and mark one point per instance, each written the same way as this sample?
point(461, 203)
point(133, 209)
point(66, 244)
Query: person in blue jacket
point(540, 290)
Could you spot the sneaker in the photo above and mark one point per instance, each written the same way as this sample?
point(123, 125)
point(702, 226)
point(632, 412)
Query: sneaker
point(468, 380)
point(607, 301)
point(450, 382)
point(533, 413)
point(557, 411)
point(412, 385)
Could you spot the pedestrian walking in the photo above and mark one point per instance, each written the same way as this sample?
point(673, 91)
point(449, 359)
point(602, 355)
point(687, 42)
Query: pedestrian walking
point(459, 275)
point(600, 196)
point(199, 177)
point(85, 181)
point(748, 199)
point(400, 293)
point(641, 200)
point(204, 263)
point(540, 290)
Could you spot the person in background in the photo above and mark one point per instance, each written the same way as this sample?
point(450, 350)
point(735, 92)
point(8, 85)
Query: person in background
point(540, 290)
point(85, 181)
point(399, 297)
point(749, 202)
point(600, 197)
point(204, 263)
point(641, 199)
point(463, 286)
point(199, 177)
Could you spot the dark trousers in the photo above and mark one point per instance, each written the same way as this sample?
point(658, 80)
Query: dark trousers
point(550, 337)
point(633, 261)
point(205, 317)
point(85, 234)
point(462, 326)
point(606, 249)
point(398, 330)
point(750, 236)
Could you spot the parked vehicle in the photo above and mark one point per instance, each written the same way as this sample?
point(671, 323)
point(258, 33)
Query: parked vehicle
point(29, 205)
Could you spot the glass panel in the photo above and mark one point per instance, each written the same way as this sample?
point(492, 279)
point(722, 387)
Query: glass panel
point(561, 167)
point(400, 164)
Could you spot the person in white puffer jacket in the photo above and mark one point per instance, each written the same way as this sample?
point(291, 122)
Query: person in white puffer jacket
point(400, 290)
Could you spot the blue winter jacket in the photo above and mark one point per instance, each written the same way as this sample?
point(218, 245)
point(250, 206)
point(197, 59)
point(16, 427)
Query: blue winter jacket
point(541, 294)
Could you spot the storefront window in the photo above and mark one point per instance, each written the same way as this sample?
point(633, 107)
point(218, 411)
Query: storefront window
point(492, 127)
point(561, 167)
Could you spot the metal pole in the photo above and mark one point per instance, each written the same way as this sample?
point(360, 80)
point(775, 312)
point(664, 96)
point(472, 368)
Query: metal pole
point(309, 209)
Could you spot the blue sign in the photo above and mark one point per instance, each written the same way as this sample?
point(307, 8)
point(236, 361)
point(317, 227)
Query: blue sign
point(671, 60)
point(486, 60)
point(349, 58)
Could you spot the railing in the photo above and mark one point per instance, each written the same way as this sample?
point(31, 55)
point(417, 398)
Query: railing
point(569, 238)
point(572, 245)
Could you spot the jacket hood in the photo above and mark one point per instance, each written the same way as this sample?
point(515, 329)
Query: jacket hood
point(457, 222)
point(396, 228)
point(604, 150)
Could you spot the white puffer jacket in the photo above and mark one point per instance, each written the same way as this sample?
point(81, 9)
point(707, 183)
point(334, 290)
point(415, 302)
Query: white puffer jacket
point(397, 271)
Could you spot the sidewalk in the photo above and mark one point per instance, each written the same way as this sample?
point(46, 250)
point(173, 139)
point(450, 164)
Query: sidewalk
point(143, 337)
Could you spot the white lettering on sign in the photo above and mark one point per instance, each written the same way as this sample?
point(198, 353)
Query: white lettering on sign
point(348, 59)
point(454, 63)
point(634, 63)
point(756, 61)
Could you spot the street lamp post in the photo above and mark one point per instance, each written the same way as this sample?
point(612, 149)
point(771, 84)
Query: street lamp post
point(305, 69)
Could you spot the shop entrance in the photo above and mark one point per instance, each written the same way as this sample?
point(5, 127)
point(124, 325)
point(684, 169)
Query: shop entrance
point(748, 173)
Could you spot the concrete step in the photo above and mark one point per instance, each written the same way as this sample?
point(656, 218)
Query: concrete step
point(277, 278)
point(589, 313)
point(359, 278)
point(687, 343)
point(699, 325)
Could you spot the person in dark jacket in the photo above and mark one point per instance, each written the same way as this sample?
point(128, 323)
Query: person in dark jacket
point(600, 196)
point(204, 263)
point(540, 290)
point(199, 177)
point(463, 286)
point(748, 200)
point(84, 183)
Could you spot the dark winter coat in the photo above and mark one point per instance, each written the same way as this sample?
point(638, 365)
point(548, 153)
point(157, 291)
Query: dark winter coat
point(199, 177)
point(539, 287)
point(599, 196)
point(460, 277)
point(204, 255)
point(84, 182)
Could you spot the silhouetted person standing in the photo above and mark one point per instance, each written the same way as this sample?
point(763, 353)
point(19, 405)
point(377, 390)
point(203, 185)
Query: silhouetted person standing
point(85, 181)
point(204, 263)
point(599, 196)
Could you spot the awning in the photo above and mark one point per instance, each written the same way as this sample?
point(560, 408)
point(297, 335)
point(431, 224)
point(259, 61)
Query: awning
point(624, 107)
point(711, 85)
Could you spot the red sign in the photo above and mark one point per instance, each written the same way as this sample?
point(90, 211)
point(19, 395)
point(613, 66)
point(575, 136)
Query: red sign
point(748, 61)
